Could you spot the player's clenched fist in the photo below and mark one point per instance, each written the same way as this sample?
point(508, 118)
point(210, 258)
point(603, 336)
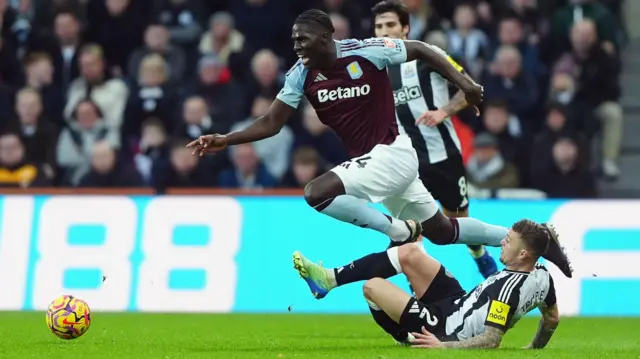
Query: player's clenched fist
point(474, 96)
point(208, 144)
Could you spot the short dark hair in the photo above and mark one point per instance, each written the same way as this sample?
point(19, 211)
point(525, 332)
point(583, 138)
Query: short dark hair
point(536, 236)
point(67, 11)
point(557, 107)
point(35, 57)
point(395, 6)
point(316, 18)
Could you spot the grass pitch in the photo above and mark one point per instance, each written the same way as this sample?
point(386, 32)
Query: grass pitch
point(289, 336)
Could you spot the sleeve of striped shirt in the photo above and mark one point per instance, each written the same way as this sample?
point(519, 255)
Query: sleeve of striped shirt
point(550, 299)
point(293, 88)
point(504, 301)
point(382, 52)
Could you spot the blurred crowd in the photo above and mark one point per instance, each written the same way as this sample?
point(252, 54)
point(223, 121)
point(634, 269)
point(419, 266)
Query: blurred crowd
point(107, 93)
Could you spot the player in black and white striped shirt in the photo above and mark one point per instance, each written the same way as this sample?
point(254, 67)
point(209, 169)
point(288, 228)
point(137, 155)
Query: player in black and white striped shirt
point(442, 314)
point(422, 94)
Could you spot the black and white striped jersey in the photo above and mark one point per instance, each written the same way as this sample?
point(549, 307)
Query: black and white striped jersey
point(416, 89)
point(500, 301)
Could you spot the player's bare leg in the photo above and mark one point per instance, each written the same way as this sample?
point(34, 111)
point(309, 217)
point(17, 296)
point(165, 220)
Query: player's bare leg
point(410, 259)
point(486, 264)
point(385, 296)
point(442, 230)
point(387, 302)
point(327, 195)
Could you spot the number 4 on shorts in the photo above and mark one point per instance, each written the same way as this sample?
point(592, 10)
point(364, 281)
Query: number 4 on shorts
point(362, 161)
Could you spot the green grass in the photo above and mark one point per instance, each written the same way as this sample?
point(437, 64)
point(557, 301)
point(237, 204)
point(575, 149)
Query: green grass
point(260, 336)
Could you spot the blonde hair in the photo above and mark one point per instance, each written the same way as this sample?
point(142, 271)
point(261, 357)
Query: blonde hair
point(154, 62)
point(93, 49)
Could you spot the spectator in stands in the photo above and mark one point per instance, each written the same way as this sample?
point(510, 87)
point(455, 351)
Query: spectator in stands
point(150, 96)
point(107, 171)
point(153, 150)
point(184, 19)
point(39, 73)
point(511, 32)
point(317, 135)
point(351, 15)
point(196, 120)
point(223, 40)
point(577, 10)
point(222, 94)
point(468, 43)
point(235, 64)
point(46, 11)
point(274, 152)
point(156, 41)
point(64, 48)
point(505, 127)
point(535, 24)
point(422, 17)
point(506, 81)
point(247, 171)
point(266, 24)
point(39, 136)
point(306, 167)
point(514, 139)
point(118, 27)
point(15, 170)
point(563, 89)
point(76, 142)
point(439, 38)
point(487, 168)
point(183, 170)
point(267, 77)
point(341, 26)
point(109, 94)
point(555, 128)
point(567, 176)
point(596, 73)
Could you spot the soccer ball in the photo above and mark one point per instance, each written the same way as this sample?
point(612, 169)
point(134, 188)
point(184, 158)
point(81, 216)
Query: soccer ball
point(68, 317)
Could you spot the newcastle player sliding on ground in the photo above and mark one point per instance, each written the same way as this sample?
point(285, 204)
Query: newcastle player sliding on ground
point(421, 96)
point(441, 314)
point(346, 82)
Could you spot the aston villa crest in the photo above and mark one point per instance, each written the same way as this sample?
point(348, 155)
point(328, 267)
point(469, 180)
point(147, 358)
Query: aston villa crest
point(354, 70)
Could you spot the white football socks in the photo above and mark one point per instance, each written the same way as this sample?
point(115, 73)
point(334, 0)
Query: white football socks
point(473, 231)
point(353, 210)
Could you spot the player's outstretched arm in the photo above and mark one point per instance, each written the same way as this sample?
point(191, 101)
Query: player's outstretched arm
point(490, 339)
point(418, 50)
point(264, 127)
point(548, 324)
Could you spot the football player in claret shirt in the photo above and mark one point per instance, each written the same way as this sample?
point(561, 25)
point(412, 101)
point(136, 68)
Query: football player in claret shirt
point(347, 84)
